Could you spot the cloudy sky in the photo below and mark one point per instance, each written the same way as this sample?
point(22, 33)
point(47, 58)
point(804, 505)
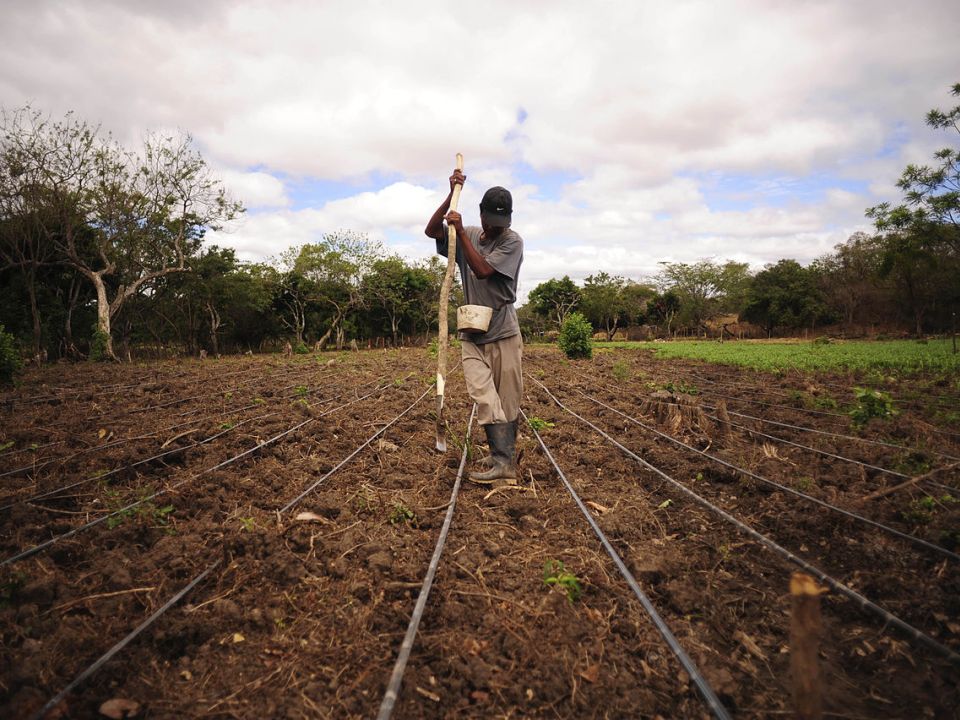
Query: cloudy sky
point(629, 132)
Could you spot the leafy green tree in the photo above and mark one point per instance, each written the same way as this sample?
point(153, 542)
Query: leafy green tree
point(554, 299)
point(931, 193)
point(783, 295)
point(391, 288)
point(663, 308)
point(849, 278)
point(123, 220)
point(704, 289)
point(603, 302)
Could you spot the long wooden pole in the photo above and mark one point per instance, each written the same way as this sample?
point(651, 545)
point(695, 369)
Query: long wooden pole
point(444, 339)
point(805, 630)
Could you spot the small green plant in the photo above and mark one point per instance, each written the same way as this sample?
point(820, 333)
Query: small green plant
point(247, 523)
point(681, 387)
point(398, 382)
point(871, 404)
point(556, 575)
point(825, 403)
point(575, 338)
point(301, 349)
point(402, 514)
point(540, 373)
point(804, 483)
point(621, 371)
point(823, 340)
point(539, 424)
point(99, 341)
point(258, 401)
point(7, 445)
point(228, 395)
point(227, 425)
point(301, 391)
point(363, 503)
point(922, 511)
point(10, 362)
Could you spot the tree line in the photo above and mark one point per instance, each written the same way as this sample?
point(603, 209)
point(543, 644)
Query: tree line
point(101, 251)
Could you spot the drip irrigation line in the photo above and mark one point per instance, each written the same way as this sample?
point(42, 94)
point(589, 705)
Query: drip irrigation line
point(93, 523)
point(115, 471)
point(709, 696)
point(400, 666)
point(8, 453)
point(351, 455)
point(107, 656)
point(112, 652)
point(840, 436)
point(65, 458)
point(809, 411)
point(887, 617)
point(796, 493)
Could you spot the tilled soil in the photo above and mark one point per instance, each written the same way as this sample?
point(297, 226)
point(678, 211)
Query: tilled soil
point(302, 614)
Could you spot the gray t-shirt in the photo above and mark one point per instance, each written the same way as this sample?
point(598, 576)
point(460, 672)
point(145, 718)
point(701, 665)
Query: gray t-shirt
point(499, 291)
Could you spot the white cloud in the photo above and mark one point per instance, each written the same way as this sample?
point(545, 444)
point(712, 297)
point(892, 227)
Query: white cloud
point(644, 102)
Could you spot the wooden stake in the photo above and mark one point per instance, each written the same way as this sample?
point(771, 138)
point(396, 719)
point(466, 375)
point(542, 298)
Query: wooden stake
point(805, 630)
point(443, 341)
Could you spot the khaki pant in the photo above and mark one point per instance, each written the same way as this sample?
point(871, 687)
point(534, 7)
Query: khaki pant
point(494, 378)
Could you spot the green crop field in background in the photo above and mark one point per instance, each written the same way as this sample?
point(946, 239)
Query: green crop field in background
point(892, 355)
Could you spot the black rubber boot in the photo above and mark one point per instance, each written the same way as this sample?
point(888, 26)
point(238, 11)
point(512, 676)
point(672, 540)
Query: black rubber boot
point(502, 438)
point(487, 462)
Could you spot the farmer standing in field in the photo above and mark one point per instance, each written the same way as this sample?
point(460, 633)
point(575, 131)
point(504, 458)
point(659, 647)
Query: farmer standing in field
point(489, 258)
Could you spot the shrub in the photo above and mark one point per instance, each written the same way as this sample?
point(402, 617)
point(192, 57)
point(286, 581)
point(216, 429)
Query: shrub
point(98, 345)
point(871, 404)
point(575, 337)
point(301, 349)
point(10, 361)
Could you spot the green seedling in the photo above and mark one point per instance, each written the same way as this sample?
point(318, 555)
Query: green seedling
point(922, 511)
point(226, 425)
point(556, 575)
point(681, 387)
point(665, 504)
point(871, 404)
point(301, 391)
point(538, 424)
point(228, 395)
point(258, 401)
point(402, 514)
point(804, 483)
point(7, 445)
point(621, 371)
point(247, 523)
point(399, 382)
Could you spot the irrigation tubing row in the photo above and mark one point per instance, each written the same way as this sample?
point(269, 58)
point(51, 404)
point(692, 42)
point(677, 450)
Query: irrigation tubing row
point(888, 617)
point(840, 436)
point(396, 676)
point(709, 696)
point(65, 458)
point(796, 493)
point(106, 657)
point(70, 533)
point(818, 451)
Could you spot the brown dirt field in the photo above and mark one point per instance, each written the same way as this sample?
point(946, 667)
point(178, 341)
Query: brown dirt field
point(303, 618)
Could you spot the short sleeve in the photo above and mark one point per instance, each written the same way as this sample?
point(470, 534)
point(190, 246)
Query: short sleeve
point(507, 256)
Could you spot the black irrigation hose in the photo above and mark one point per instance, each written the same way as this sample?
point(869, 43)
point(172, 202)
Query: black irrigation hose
point(840, 436)
point(172, 451)
point(709, 696)
point(107, 656)
point(887, 617)
point(396, 677)
point(743, 471)
point(70, 533)
point(351, 455)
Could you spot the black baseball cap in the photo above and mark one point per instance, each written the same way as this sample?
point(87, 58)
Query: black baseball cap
point(497, 207)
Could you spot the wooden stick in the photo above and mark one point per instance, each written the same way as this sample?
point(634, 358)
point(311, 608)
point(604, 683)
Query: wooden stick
point(443, 340)
point(908, 483)
point(805, 629)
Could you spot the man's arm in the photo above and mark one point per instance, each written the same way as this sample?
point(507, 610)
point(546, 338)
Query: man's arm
point(481, 268)
point(434, 228)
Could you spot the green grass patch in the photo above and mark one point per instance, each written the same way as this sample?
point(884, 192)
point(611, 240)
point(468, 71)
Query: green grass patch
point(906, 356)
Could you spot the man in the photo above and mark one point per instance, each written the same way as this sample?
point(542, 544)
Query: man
point(489, 258)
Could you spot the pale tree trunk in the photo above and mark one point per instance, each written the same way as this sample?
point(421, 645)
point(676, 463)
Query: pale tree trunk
point(103, 315)
point(214, 326)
